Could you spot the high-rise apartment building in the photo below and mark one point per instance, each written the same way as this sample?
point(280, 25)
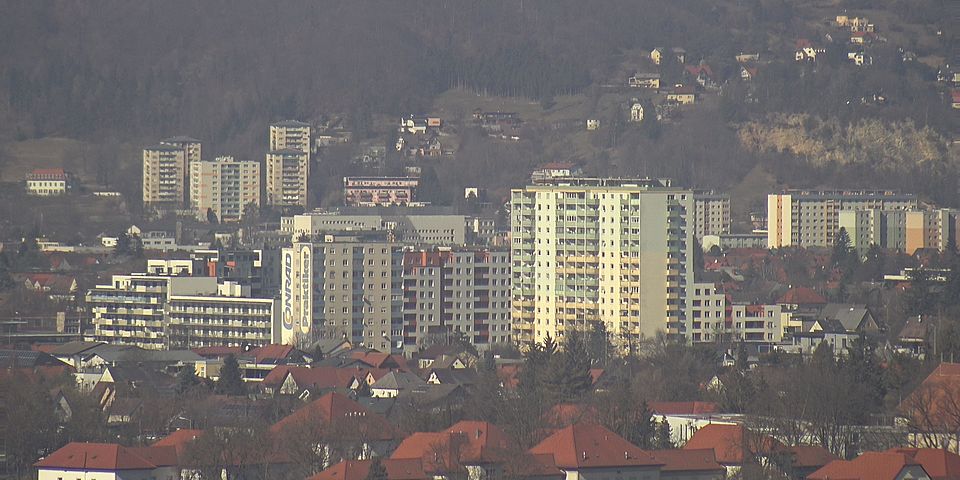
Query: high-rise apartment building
point(164, 169)
point(192, 153)
point(290, 134)
point(287, 173)
point(712, 214)
point(409, 225)
point(456, 291)
point(343, 285)
point(130, 311)
point(901, 230)
point(588, 250)
point(811, 218)
point(224, 186)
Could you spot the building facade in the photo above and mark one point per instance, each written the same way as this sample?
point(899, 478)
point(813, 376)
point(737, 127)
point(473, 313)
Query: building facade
point(224, 186)
point(48, 182)
point(456, 291)
point(287, 174)
point(420, 225)
point(230, 318)
point(192, 153)
point(290, 134)
point(130, 311)
point(379, 191)
point(801, 218)
point(164, 170)
point(900, 230)
point(343, 285)
point(587, 250)
point(712, 214)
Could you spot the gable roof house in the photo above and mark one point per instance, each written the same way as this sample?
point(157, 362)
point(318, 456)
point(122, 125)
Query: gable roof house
point(932, 412)
point(585, 449)
point(393, 383)
point(873, 466)
point(703, 75)
point(107, 460)
point(480, 448)
point(306, 381)
point(397, 469)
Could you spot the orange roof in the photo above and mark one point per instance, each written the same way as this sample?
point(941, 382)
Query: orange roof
point(467, 442)
point(317, 377)
point(380, 360)
point(591, 446)
point(397, 469)
point(931, 405)
point(801, 296)
point(939, 464)
point(509, 376)
point(683, 408)
point(955, 95)
point(333, 408)
point(270, 352)
point(105, 457)
point(869, 466)
point(48, 172)
point(732, 444)
point(683, 460)
point(178, 440)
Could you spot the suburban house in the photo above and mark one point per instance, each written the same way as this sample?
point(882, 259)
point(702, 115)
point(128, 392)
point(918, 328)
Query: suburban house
point(394, 383)
point(683, 95)
point(930, 412)
point(306, 381)
point(702, 74)
point(107, 461)
point(47, 182)
point(748, 73)
point(656, 55)
point(873, 466)
point(587, 450)
point(406, 469)
point(482, 449)
point(805, 51)
point(645, 80)
point(955, 99)
point(636, 112)
point(859, 58)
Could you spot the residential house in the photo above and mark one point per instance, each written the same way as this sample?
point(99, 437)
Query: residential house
point(305, 381)
point(683, 464)
point(553, 170)
point(656, 55)
point(451, 376)
point(930, 412)
point(734, 445)
point(859, 58)
point(914, 336)
point(636, 112)
point(955, 99)
point(649, 80)
point(393, 383)
point(747, 58)
point(748, 73)
point(46, 182)
point(702, 74)
point(939, 463)
point(397, 469)
point(587, 450)
point(682, 95)
point(853, 317)
point(805, 50)
point(679, 54)
point(108, 461)
point(873, 466)
point(593, 124)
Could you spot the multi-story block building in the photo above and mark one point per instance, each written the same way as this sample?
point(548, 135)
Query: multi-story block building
point(715, 319)
point(707, 313)
point(901, 230)
point(192, 153)
point(377, 191)
point(164, 169)
point(811, 218)
point(287, 173)
point(258, 268)
point(46, 182)
point(224, 186)
point(711, 214)
point(230, 318)
point(451, 291)
point(130, 311)
point(419, 225)
point(290, 134)
point(587, 250)
point(344, 285)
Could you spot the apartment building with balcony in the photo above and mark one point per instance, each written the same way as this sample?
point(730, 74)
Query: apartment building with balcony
point(192, 153)
point(455, 291)
point(164, 170)
point(230, 318)
point(130, 310)
point(900, 230)
point(804, 218)
point(379, 191)
point(290, 134)
point(225, 186)
point(711, 214)
point(410, 225)
point(715, 318)
point(343, 285)
point(287, 173)
point(588, 250)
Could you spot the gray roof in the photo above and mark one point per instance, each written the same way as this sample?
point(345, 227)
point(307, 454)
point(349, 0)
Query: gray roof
point(290, 123)
point(180, 139)
point(27, 359)
point(138, 355)
point(398, 381)
point(74, 348)
point(848, 314)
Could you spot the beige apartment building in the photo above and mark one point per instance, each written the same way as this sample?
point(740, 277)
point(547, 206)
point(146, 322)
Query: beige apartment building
point(803, 218)
point(192, 153)
point(588, 250)
point(712, 214)
point(344, 285)
point(900, 230)
point(164, 169)
point(224, 186)
point(287, 174)
point(290, 134)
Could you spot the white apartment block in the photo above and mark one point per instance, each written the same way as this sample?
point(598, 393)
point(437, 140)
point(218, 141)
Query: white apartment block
point(130, 310)
point(707, 313)
point(712, 214)
point(419, 225)
point(229, 318)
point(714, 319)
point(164, 169)
point(801, 218)
point(346, 285)
point(456, 291)
point(287, 174)
point(224, 186)
point(587, 250)
point(290, 134)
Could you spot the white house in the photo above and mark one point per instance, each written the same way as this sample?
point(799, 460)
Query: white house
point(109, 461)
point(636, 112)
point(47, 182)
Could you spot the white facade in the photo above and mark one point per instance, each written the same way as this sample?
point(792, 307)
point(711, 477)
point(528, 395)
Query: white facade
point(224, 186)
point(287, 174)
point(712, 214)
point(408, 226)
point(229, 318)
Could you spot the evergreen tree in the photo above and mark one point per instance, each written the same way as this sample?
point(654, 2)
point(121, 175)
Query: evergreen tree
point(230, 381)
point(377, 470)
point(567, 376)
point(598, 344)
point(662, 440)
point(186, 380)
point(646, 427)
point(211, 217)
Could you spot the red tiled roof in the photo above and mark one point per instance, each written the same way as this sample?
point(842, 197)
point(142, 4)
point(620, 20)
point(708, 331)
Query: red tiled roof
point(801, 296)
point(178, 440)
point(869, 466)
point(684, 460)
point(316, 377)
point(683, 408)
point(732, 444)
point(95, 456)
point(932, 404)
point(939, 464)
point(596, 374)
point(955, 95)
point(397, 469)
point(270, 352)
point(696, 70)
point(48, 172)
point(509, 376)
point(380, 360)
point(333, 408)
point(591, 446)
point(465, 443)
